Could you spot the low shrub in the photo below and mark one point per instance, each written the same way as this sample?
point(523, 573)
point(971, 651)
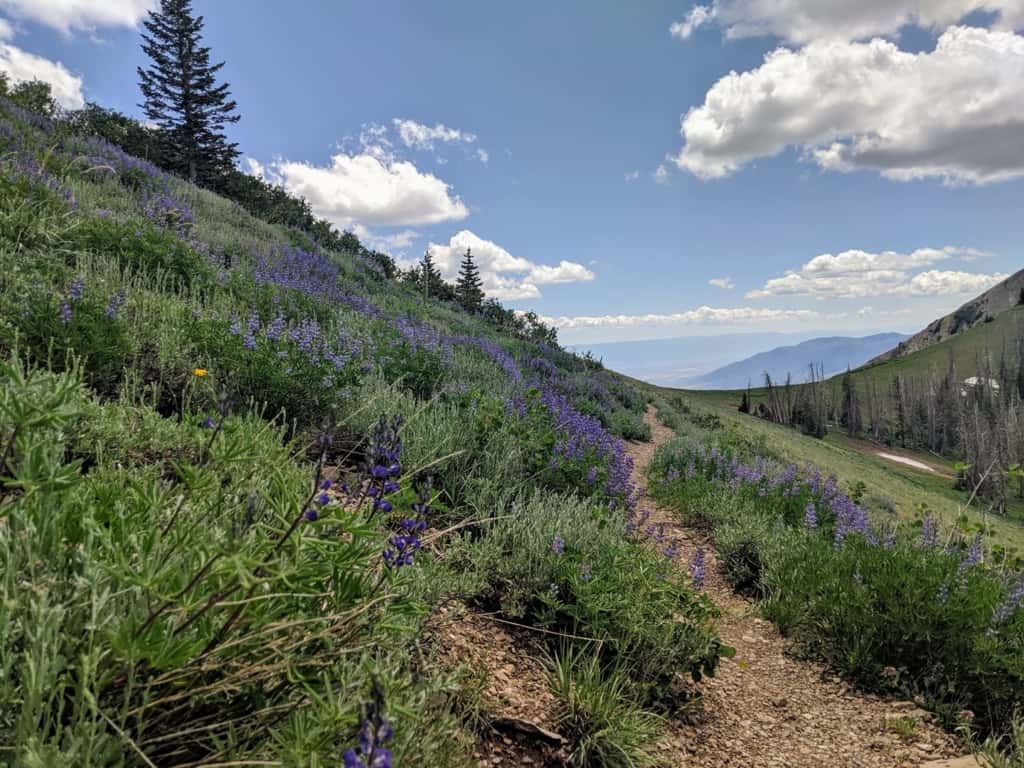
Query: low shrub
point(559, 562)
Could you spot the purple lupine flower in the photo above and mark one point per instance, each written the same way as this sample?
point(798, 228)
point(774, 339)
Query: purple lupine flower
point(810, 517)
point(402, 547)
point(672, 549)
point(672, 474)
point(558, 545)
point(114, 304)
point(76, 290)
point(696, 568)
point(586, 572)
point(929, 531)
point(1014, 600)
point(209, 423)
point(374, 734)
point(975, 552)
point(66, 312)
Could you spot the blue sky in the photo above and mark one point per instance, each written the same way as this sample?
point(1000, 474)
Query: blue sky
point(885, 141)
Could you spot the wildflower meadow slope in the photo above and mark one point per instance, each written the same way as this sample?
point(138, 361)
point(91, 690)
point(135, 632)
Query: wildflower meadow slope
point(240, 471)
point(910, 608)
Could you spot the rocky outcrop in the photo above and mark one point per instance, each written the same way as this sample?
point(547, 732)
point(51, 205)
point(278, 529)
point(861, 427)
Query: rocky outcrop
point(982, 309)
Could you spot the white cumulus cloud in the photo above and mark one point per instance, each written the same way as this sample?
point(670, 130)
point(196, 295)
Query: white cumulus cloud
point(725, 283)
point(802, 21)
point(21, 65)
point(504, 276)
point(86, 15)
point(956, 112)
point(368, 188)
point(857, 273)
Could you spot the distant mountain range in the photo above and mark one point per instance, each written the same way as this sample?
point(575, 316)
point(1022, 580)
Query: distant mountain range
point(675, 362)
point(834, 353)
point(985, 308)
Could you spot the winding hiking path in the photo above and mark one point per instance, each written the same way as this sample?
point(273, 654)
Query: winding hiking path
point(766, 710)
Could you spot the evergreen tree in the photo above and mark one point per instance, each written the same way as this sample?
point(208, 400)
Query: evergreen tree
point(430, 277)
point(183, 97)
point(849, 415)
point(469, 288)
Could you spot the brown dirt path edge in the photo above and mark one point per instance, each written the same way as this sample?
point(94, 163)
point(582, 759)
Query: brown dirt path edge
point(764, 709)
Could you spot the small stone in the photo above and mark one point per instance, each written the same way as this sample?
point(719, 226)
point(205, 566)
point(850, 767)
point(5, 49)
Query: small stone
point(923, 746)
point(780, 702)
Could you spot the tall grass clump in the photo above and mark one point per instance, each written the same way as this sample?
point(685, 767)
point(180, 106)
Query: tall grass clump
point(595, 710)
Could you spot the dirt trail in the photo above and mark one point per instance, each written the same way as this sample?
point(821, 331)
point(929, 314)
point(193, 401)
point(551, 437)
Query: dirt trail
point(766, 710)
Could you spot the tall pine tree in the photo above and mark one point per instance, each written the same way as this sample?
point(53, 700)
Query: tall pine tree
point(182, 95)
point(469, 288)
point(429, 275)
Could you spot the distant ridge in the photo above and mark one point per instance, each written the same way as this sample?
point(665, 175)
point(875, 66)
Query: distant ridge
point(835, 353)
point(981, 309)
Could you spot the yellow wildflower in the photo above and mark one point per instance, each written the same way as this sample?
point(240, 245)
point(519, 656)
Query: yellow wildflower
point(200, 372)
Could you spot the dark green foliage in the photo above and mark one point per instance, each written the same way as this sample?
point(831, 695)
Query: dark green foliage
point(468, 290)
point(429, 282)
point(120, 130)
point(31, 95)
point(182, 96)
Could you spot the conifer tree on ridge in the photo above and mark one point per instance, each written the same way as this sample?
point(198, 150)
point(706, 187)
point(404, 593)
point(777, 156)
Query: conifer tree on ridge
point(469, 289)
point(182, 96)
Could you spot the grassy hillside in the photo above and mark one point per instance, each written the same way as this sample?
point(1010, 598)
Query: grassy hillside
point(910, 491)
point(239, 472)
point(992, 338)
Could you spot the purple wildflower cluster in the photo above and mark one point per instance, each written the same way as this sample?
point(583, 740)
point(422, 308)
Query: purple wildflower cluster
point(696, 568)
point(100, 155)
point(74, 294)
point(311, 274)
point(114, 304)
point(383, 465)
point(929, 531)
point(1013, 602)
point(580, 438)
point(20, 160)
point(403, 546)
point(168, 213)
point(801, 494)
point(303, 342)
point(374, 734)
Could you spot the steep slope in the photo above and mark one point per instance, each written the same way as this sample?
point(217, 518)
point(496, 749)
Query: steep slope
point(835, 353)
point(981, 309)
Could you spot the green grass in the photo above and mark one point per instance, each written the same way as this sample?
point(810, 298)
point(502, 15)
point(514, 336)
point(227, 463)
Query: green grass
point(910, 490)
